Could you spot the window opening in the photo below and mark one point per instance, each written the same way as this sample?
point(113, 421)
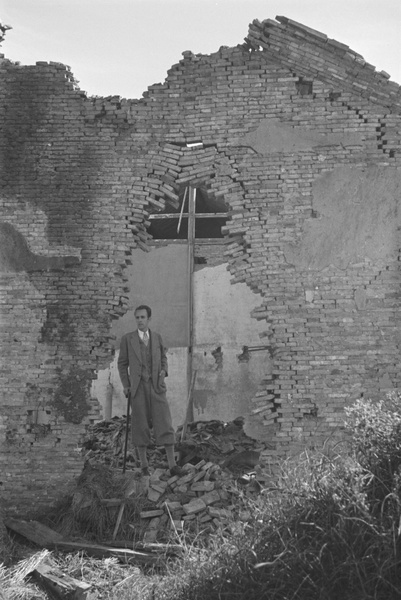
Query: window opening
point(304, 87)
point(172, 223)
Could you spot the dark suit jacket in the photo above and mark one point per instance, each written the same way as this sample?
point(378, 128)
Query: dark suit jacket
point(130, 362)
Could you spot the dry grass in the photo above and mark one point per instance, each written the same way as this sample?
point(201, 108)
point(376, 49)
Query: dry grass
point(330, 529)
point(13, 583)
point(82, 515)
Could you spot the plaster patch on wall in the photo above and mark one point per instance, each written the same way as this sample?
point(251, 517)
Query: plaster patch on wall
point(357, 212)
point(273, 136)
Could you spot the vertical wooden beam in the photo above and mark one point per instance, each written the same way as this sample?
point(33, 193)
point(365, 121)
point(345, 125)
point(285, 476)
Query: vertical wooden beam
point(191, 252)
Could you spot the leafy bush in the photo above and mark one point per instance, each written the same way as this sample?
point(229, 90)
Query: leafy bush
point(329, 530)
point(376, 442)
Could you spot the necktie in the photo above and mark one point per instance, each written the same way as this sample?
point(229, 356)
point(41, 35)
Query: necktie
point(146, 338)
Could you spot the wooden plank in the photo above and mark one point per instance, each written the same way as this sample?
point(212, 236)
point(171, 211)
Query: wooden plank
point(182, 210)
point(133, 486)
point(119, 517)
point(123, 554)
point(110, 502)
point(61, 585)
point(158, 216)
point(34, 532)
point(189, 413)
point(157, 548)
point(164, 548)
point(46, 537)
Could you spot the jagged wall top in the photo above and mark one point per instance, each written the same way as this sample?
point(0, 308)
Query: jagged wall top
point(312, 54)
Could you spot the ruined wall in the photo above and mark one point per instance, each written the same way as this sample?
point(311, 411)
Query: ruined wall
point(61, 278)
point(308, 163)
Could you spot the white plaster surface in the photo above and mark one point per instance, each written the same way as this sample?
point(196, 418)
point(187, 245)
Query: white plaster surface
point(272, 136)
point(108, 384)
point(357, 218)
point(224, 386)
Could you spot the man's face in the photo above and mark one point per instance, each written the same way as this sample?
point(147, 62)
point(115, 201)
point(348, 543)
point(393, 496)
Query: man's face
point(142, 319)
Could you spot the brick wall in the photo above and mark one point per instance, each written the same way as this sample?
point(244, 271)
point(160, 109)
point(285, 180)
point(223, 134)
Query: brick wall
point(306, 155)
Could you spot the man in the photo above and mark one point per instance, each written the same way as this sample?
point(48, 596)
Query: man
point(142, 365)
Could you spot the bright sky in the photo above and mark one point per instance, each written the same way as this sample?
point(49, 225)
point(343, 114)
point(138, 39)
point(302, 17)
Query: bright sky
point(120, 47)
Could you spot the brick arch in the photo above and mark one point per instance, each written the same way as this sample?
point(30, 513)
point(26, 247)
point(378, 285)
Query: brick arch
point(173, 166)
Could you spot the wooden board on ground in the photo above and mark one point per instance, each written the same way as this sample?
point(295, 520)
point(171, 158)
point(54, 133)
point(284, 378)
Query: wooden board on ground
point(34, 532)
point(47, 538)
point(61, 585)
point(125, 555)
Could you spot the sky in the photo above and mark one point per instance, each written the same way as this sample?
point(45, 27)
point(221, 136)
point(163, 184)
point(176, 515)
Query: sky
point(120, 47)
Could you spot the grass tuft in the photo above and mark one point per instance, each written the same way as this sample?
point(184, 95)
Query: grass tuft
point(328, 529)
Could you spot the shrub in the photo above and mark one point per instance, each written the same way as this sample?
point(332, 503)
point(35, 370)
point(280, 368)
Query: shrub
point(376, 442)
point(328, 530)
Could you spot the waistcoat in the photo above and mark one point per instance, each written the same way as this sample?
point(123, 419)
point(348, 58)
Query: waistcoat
point(146, 358)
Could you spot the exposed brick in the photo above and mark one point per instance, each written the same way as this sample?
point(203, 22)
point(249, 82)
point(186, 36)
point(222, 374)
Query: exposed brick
point(80, 177)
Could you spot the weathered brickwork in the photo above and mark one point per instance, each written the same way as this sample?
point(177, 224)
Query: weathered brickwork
point(300, 138)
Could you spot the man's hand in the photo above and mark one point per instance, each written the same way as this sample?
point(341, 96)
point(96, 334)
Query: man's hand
point(126, 392)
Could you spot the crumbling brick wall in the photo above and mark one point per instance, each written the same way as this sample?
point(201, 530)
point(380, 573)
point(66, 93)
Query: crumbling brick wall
point(298, 135)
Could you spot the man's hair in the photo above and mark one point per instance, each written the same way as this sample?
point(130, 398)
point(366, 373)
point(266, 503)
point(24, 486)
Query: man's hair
point(144, 307)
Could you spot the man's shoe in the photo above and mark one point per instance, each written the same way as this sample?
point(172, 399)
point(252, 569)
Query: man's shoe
point(176, 470)
point(145, 472)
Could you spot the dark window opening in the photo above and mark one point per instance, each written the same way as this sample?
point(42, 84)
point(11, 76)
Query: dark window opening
point(304, 88)
point(209, 228)
point(167, 229)
point(172, 223)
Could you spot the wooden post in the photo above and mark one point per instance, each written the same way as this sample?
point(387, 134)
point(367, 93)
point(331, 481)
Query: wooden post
point(190, 406)
point(191, 252)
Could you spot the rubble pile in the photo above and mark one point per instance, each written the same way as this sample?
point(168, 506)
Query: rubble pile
point(104, 442)
point(219, 462)
point(203, 499)
point(224, 444)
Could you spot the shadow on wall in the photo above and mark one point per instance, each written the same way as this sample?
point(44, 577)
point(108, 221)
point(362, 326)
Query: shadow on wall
point(16, 256)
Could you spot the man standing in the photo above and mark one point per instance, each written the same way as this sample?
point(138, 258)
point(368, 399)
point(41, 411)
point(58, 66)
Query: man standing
point(142, 365)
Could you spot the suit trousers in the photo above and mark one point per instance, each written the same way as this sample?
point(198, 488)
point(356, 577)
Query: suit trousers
point(150, 410)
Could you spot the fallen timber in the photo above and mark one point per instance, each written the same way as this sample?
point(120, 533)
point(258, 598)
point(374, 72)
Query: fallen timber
point(45, 537)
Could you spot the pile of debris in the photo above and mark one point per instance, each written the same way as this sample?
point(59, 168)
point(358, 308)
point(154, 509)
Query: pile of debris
point(219, 461)
point(198, 502)
point(224, 444)
point(131, 516)
point(119, 513)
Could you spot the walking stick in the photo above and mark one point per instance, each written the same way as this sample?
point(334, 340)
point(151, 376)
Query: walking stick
point(126, 431)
